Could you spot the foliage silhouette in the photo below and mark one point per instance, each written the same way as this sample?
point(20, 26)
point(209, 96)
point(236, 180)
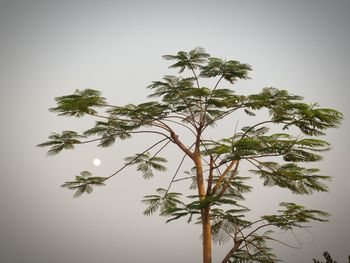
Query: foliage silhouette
point(328, 258)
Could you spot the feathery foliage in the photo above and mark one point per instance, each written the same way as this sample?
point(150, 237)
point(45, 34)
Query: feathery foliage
point(84, 183)
point(79, 103)
point(147, 163)
point(66, 140)
point(328, 258)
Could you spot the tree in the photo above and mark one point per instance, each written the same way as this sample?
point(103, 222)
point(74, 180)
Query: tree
point(182, 103)
point(328, 258)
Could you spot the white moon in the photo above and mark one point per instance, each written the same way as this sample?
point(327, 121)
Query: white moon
point(96, 162)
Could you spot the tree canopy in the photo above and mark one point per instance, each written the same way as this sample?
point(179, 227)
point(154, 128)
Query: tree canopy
point(178, 103)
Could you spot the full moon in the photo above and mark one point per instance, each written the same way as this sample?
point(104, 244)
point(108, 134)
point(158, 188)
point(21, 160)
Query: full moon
point(96, 162)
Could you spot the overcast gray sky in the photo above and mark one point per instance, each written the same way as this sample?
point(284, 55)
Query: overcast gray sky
point(50, 48)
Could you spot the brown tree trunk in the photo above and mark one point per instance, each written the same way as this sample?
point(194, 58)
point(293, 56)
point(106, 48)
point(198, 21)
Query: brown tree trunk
point(205, 213)
point(206, 226)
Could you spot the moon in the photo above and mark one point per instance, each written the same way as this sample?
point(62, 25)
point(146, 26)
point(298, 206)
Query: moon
point(96, 162)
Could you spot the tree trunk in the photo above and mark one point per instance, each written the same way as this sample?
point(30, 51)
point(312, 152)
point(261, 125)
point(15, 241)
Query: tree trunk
point(206, 226)
point(205, 213)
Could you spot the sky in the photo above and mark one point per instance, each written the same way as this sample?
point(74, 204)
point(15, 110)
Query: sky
point(50, 48)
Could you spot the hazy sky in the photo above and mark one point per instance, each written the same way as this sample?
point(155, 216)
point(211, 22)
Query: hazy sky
point(50, 48)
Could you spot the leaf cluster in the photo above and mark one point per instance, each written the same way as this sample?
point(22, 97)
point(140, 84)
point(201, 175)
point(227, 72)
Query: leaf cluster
point(147, 163)
point(84, 183)
point(188, 60)
point(253, 143)
point(294, 215)
point(164, 201)
point(255, 250)
point(289, 110)
point(299, 180)
point(66, 140)
point(230, 70)
point(233, 188)
point(110, 130)
point(139, 115)
point(79, 103)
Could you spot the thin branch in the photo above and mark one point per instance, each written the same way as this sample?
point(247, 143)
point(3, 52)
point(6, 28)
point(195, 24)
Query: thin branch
point(252, 223)
point(237, 244)
point(159, 125)
point(221, 178)
point(134, 132)
point(221, 116)
point(251, 243)
point(259, 227)
point(263, 155)
point(176, 172)
point(215, 166)
point(101, 116)
point(165, 145)
point(202, 113)
point(194, 73)
point(137, 156)
point(188, 107)
point(257, 166)
point(260, 123)
point(211, 95)
point(246, 247)
point(210, 177)
point(235, 131)
point(183, 125)
point(283, 243)
point(223, 190)
point(252, 127)
point(184, 178)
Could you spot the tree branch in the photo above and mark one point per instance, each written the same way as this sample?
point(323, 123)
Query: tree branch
point(211, 95)
point(221, 116)
point(223, 190)
point(183, 125)
point(127, 164)
point(131, 132)
point(221, 178)
point(176, 172)
point(237, 243)
point(210, 177)
point(251, 243)
point(176, 140)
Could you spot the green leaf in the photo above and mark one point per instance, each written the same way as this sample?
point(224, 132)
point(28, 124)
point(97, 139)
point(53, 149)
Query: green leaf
point(188, 60)
point(230, 70)
point(165, 201)
point(298, 179)
point(79, 103)
point(294, 215)
point(146, 164)
point(84, 183)
point(58, 142)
